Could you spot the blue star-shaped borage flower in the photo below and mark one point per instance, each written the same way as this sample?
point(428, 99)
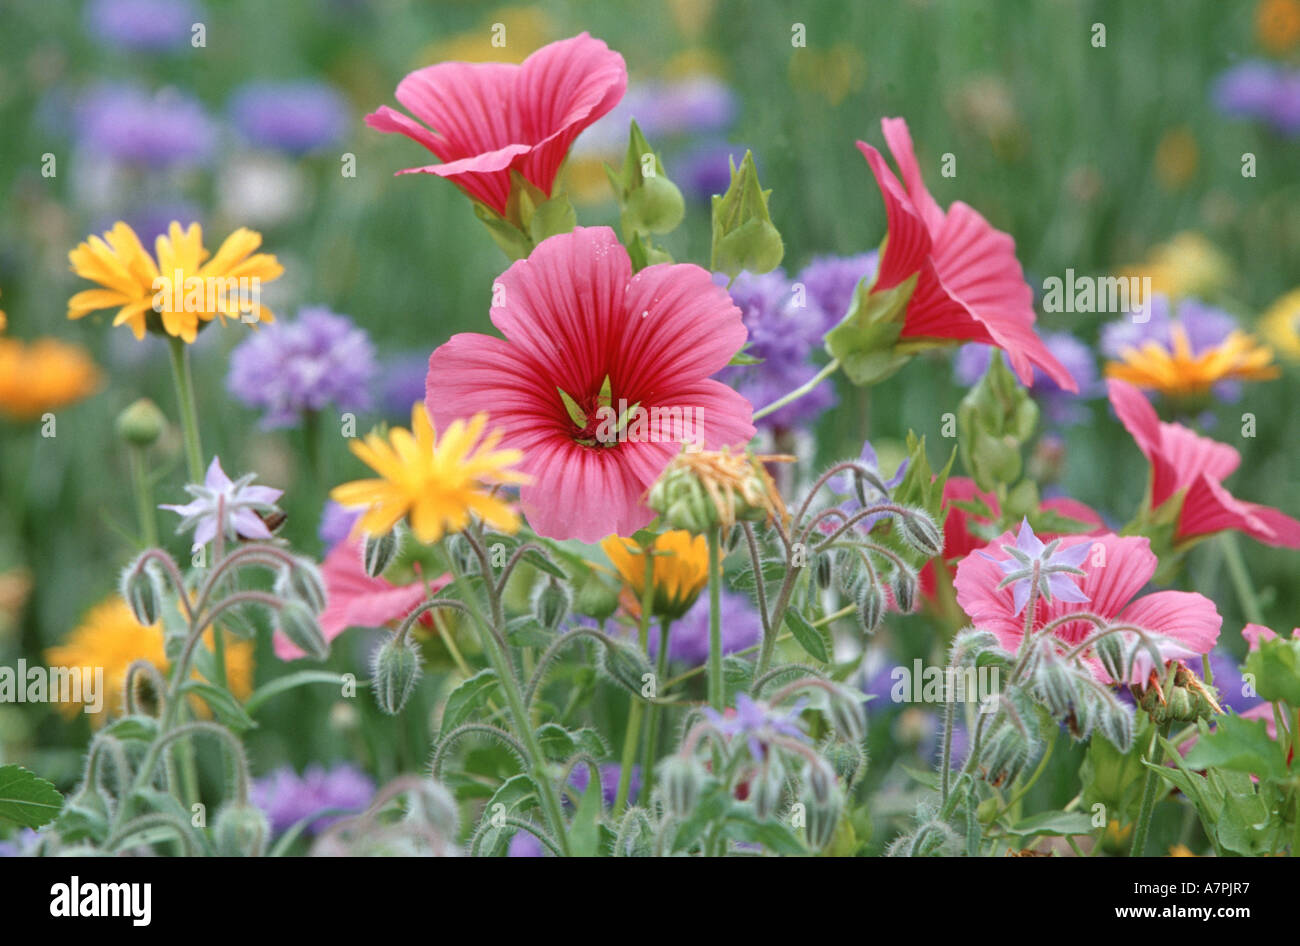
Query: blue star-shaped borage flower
point(1054, 565)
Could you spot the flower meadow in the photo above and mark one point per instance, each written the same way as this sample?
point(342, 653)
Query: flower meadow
point(588, 430)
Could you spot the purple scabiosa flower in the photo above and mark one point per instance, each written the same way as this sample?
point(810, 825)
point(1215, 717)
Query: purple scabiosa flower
point(830, 282)
point(402, 383)
point(784, 337)
point(288, 798)
point(758, 724)
point(1246, 90)
point(296, 117)
point(688, 641)
point(289, 368)
point(142, 25)
point(1054, 565)
point(128, 124)
point(229, 506)
point(1061, 407)
point(336, 523)
point(1229, 682)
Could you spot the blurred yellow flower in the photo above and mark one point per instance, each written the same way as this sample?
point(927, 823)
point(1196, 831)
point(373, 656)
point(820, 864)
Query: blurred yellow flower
point(438, 482)
point(508, 35)
point(1177, 158)
point(182, 288)
point(1180, 373)
point(112, 639)
point(1188, 265)
point(1281, 325)
point(43, 376)
point(1277, 24)
point(832, 73)
point(15, 586)
point(1180, 850)
point(679, 568)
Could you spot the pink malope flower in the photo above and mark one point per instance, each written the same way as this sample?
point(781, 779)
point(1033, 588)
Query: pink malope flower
point(1187, 623)
point(578, 324)
point(1182, 459)
point(970, 286)
point(491, 118)
point(354, 599)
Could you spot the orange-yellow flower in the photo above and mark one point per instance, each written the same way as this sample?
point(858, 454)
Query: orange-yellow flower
point(112, 639)
point(436, 482)
point(1178, 372)
point(679, 568)
point(1281, 325)
point(1277, 24)
point(180, 289)
point(43, 376)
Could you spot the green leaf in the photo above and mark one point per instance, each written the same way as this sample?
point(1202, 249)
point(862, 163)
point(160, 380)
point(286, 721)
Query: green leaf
point(866, 340)
point(811, 639)
point(467, 697)
point(516, 795)
point(560, 744)
point(224, 705)
point(1056, 823)
point(1275, 667)
point(26, 799)
point(775, 836)
point(291, 681)
point(1239, 745)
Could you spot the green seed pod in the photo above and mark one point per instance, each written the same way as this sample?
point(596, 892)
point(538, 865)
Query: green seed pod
point(921, 533)
point(300, 626)
point(302, 581)
point(140, 588)
point(680, 779)
point(550, 603)
point(141, 423)
point(395, 668)
point(240, 831)
point(379, 551)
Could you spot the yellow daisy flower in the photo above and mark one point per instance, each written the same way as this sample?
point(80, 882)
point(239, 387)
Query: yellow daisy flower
point(112, 639)
point(1180, 373)
point(436, 482)
point(184, 286)
point(679, 568)
point(1281, 325)
point(1188, 265)
point(43, 376)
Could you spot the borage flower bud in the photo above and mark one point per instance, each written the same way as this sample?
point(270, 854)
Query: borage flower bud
point(240, 831)
point(596, 599)
point(141, 423)
point(302, 580)
point(904, 587)
point(1110, 651)
point(822, 818)
point(550, 603)
point(871, 606)
point(681, 779)
point(768, 789)
point(847, 714)
point(921, 533)
point(824, 570)
point(395, 668)
point(379, 551)
point(434, 805)
point(626, 666)
point(300, 626)
point(140, 589)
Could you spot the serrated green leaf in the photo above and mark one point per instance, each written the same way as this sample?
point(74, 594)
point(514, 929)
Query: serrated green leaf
point(26, 799)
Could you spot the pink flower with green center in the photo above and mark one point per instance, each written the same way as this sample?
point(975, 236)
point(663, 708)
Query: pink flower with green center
point(601, 377)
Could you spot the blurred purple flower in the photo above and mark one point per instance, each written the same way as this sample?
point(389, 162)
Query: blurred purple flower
point(688, 641)
point(784, 337)
point(226, 506)
point(152, 220)
point(704, 169)
point(757, 723)
point(1228, 681)
point(289, 368)
point(663, 110)
point(142, 25)
point(296, 117)
point(609, 774)
point(1261, 91)
point(128, 124)
point(524, 844)
point(830, 282)
point(402, 383)
point(21, 843)
point(288, 798)
point(336, 523)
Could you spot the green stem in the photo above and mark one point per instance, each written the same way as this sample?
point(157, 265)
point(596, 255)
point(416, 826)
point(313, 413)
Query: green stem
point(143, 498)
point(800, 391)
point(656, 710)
point(1241, 578)
point(635, 709)
point(184, 381)
point(1149, 786)
point(717, 690)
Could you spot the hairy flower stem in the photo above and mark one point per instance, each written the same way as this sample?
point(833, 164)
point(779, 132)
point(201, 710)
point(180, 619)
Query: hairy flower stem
point(491, 635)
point(717, 690)
point(143, 498)
point(800, 391)
point(184, 382)
point(1149, 786)
point(635, 708)
point(656, 710)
